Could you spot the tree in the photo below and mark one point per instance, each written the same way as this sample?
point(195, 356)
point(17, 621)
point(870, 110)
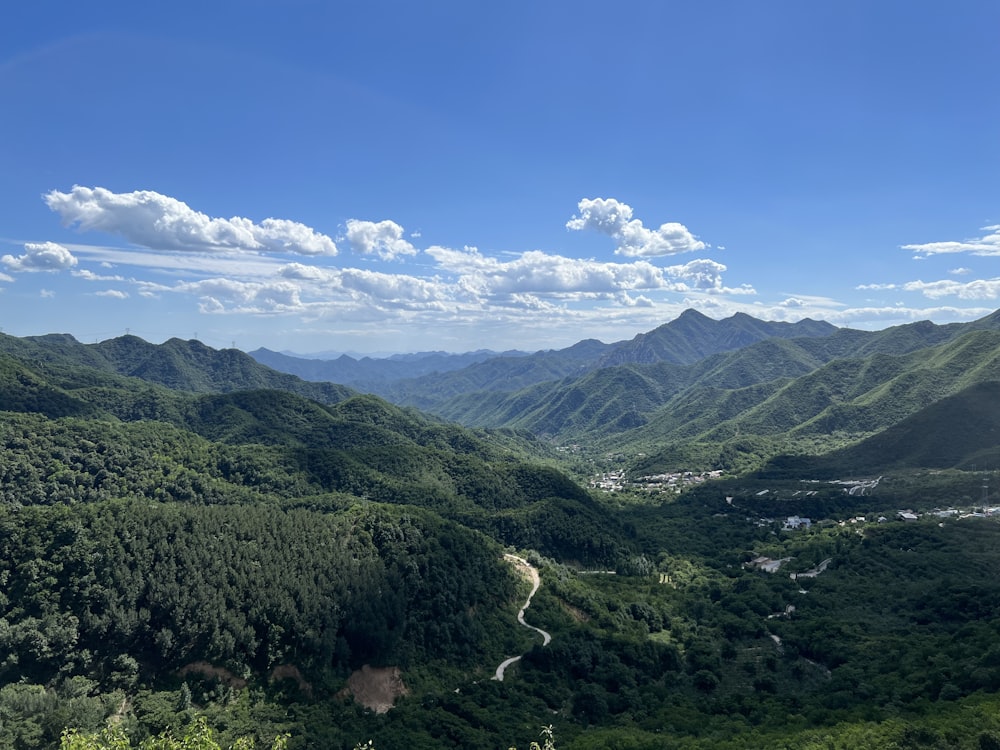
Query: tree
point(198, 736)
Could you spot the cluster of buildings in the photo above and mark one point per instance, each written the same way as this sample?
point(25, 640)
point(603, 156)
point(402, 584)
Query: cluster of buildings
point(616, 481)
point(987, 512)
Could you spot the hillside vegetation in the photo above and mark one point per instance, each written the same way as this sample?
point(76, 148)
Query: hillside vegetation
point(176, 545)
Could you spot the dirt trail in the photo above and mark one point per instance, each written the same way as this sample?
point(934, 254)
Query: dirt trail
point(536, 581)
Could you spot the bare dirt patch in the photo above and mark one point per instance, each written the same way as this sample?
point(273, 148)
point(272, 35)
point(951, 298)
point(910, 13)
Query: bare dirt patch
point(376, 688)
point(291, 672)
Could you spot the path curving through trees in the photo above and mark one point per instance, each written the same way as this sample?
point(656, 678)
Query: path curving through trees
point(536, 581)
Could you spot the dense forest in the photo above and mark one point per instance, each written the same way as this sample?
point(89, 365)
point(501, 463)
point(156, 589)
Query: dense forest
point(178, 553)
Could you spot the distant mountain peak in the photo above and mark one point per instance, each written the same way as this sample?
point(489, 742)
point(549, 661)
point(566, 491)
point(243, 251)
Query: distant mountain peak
point(692, 314)
point(693, 336)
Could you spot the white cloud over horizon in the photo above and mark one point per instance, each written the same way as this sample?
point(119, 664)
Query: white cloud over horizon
point(382, 238)
point(152, 220)
point(232, 267)
point(987, 245)
point(614, 218)
point(978, 289)
point(224, 265)
point(40, 256)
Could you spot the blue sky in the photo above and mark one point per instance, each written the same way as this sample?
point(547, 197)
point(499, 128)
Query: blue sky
point(404, 176)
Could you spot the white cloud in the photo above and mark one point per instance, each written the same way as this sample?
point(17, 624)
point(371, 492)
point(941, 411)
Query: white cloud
point(641, 301)
point(978, 289)
point(614, 218)
point(792, 303)
point(222, 267)
point(5, 278)
point(391, 287)
point(704, 275)
point(362, 284)
point(241, 296)
point(383, 238)
point(41, 256)
point(535, 272)
point(960, 271)
point(875, 287)
point(151, 290)
point(153, 220)
point(86, 275)
point(988, 244)
point(532, 303)
point(115, 293)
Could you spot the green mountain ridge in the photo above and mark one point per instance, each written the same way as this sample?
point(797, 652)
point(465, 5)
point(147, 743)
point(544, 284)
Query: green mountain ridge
point(687, 339)
point(959, 431)
point(175, 364)
point(693, 336)
point(785, 388)
point(155, 516)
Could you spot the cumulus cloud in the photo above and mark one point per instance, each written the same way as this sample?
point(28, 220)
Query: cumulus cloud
point(391, 287)
point(628, 300)
point(230, 294)
point(792, 303)
point(614, 218)
point(988, 244)
point(41, 256)
point(227, 267)
point(960, 271)
point(362, 283)
point(535, 272)
point(539, 273)
point(703, 275)
point(153, 220)
point(382, 238)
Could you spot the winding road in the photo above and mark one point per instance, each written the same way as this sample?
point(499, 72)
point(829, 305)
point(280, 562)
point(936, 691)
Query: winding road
point(536, 581)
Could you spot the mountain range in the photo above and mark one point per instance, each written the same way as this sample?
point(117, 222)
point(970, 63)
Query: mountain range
point(182, 526)
point(689, 383)
point(700, 381)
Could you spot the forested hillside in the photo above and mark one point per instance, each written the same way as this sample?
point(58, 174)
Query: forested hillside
point(248, 555)
point(822, 391)
point(175, 364)
point(591, 389)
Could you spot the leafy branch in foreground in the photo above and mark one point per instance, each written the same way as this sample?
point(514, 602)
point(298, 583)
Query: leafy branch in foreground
point(198, 736)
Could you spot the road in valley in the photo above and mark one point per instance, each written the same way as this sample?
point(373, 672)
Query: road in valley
point(536, 581)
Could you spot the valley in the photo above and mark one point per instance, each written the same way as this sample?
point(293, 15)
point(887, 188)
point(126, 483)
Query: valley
point(741, 534)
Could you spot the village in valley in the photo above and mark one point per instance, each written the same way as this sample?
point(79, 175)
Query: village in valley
point(676, 482)
point(673, 482)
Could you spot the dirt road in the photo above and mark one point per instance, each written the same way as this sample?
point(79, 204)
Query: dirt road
point(536, 581)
